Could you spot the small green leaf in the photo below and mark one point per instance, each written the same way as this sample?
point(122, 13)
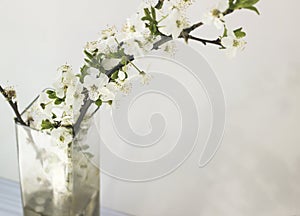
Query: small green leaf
point(51, 94)
point(159, 5)
point(46, 124)
point(246, 4)
point(114, 75)
point(153, 12)
point(253, 9)
point(146, 18)
point(43, 105)
point(98, 102)
point(239, 33)
point(225, 33)
point(89, 55)
point(124, 60)
point(147, 13)
point(84, 73)
point(87, 61)
point(58, 101)
point(54, 116)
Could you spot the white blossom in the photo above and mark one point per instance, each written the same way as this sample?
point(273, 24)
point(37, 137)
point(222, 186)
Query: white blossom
point(74, 99)
point(61, 136)
point(92, 46)
point(11, 93)
point(132, 47)
point(35, 115)
point(108, 33)
point(145, 78)
point(106, 94)
point(135, 27)
point(110, 63)
point(174, 23)
point(184, 4)
point(93, 72)
point(67, 79)
point(125, 87)
point(233, 44)
point(215, 15)
point(108, 42)
point(121, 75)
point(95, 84)
point(59, 88)
point(120, 86)
point(169, 48)
point(137, 39)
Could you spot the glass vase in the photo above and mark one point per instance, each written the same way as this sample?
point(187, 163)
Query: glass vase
point(59, 181)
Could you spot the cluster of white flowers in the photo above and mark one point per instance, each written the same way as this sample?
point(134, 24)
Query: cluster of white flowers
point(107, 59)
point(233, 44)
point(230, 41)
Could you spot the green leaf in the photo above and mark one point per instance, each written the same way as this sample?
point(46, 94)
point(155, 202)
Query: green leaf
point(114, 75)
point(246, 4)
point(153, 12)
point(54, 116)
point(58, 101)
point(51, 94)
point(253, 9)
point(239, 33)
point(43, 105)
point(159, 5)
point(98, 102)
point(124, 60)
point(87, 61)
point(46, 124)
point(84, 73)
point(147, 13)
point(152, 23)
point(146, 18)
point(231, 4)
point(89, 55)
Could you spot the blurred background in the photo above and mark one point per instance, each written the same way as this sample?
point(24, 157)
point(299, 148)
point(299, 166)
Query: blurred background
point(257, 169)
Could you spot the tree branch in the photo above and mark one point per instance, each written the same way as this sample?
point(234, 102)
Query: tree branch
point(205, 41)
point(193, 27)
point(184, 34)
point(14, 106)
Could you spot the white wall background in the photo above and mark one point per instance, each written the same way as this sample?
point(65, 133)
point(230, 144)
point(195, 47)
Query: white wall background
point(257, 169)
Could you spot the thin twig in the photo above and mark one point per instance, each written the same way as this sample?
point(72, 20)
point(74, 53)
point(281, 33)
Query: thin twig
point(118, 66)
point(228, 11)
point(83, 112)
point(14, 106)
point(193, 27)
point(205, 41)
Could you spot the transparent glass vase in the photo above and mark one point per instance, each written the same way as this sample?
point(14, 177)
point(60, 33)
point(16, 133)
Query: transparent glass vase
point(59, 181)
